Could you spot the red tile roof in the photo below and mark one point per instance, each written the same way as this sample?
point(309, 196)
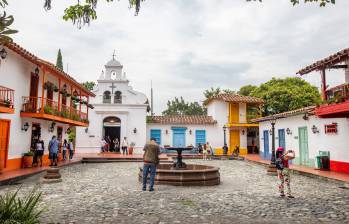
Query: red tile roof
point(331, 60)
point(309, 110)
point(40, 62)
point(235, 98)
point(181, 119)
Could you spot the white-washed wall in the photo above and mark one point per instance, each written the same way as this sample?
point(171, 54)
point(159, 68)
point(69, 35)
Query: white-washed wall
point(337, 144)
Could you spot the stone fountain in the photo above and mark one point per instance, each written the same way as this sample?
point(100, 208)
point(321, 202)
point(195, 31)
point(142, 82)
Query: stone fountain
point(181, 174)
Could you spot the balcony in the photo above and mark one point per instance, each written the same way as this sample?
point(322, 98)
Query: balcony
point(337, 103)
point(43, 108)
point(6, 100)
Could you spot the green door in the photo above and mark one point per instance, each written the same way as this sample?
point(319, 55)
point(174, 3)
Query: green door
point(303, 146)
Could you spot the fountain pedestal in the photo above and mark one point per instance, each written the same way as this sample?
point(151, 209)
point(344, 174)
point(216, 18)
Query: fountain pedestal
point(52, 175)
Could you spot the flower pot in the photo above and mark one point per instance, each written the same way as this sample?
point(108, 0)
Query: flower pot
point(130, 150)
point(27, 161)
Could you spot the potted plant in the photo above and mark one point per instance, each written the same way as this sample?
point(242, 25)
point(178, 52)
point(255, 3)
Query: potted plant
point(55, 88)
point(28, 159)
point(130, 149)
point(7, 103)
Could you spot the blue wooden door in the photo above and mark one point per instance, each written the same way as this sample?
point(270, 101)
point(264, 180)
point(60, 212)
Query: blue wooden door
point(156, 133)
point(200, 137)
point(282, 142)
point(266, 143)
point(178, 137)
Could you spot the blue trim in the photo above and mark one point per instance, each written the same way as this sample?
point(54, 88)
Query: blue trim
point(200, 137)
point(156, 133)
point(266, 153)
point(179, 128)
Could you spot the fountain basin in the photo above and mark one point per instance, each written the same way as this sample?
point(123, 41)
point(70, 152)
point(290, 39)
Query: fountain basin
point(192, 175)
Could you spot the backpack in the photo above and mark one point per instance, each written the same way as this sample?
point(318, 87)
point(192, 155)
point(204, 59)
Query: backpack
point(278, 164)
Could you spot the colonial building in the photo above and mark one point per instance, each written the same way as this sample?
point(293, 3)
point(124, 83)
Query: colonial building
point(314, 130)
point(226, 113)
point(36, 100)
point(119, 111)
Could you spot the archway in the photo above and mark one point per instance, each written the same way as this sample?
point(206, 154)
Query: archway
point(111, 131)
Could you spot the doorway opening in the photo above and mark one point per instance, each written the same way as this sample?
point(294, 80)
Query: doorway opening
point(111, 132)
point(36, 134)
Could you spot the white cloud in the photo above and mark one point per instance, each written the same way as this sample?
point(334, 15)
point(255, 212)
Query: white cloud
point(188, 46)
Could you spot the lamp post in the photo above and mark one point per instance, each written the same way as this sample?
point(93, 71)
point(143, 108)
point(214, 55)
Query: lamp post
point(272, 168)
point(225, 147)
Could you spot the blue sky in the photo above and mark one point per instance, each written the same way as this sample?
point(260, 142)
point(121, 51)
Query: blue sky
point(184, 46)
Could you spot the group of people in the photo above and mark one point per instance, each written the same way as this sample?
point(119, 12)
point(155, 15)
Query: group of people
point(54, 149)
point(206, 150)
point(108, 145)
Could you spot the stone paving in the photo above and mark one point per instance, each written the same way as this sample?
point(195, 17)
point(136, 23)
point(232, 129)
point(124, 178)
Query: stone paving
point(110, 193)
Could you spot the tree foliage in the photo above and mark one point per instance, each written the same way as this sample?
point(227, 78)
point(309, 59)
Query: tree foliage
point(213, 92)
point(178, 106)
point(247, 90)
point(89, 85)
point(287, 94)
point(59, 62)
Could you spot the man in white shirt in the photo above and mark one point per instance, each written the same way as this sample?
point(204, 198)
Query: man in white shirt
point(124, 146)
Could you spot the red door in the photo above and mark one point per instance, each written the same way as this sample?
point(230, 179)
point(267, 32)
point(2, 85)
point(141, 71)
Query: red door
point(4, 142)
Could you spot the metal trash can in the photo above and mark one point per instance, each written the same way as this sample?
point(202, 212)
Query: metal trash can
point(323, 160)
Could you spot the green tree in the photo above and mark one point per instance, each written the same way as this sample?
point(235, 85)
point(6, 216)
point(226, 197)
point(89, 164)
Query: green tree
point(59, 62)
point(282, 95)
point(178, 106)
point(247, 90)
point(213, 92)
point(89, 85)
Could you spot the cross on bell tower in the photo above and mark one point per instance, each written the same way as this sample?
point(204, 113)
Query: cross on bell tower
point(114, 55)
point(112, 88)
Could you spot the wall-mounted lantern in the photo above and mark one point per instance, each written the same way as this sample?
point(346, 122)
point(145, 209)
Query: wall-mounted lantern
point(52, 127)
point(166, 132)
point(25, 126)
point(288, 131)
point(135, 130)
point(243, 132)
point(68, 131)
point(37, 71)
point(86, 130)
point(3, 53)
point(314, 129)
point(306, 116)
point(190, 132)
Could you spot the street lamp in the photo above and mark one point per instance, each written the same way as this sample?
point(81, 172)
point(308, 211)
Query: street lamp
point(272, 167)
point(225, 147)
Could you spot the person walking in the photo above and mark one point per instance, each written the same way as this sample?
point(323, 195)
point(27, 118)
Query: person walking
point(64, 149)
point(204, 152)
point(124, 146)
point(39, 150)
point(71, 149)
point(150, 160)
point(53, 147)
point(116, 145)
point(210, 150)
point(283, 172)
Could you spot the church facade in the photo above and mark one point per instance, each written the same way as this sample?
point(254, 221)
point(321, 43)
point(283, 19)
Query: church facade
point(119, 112)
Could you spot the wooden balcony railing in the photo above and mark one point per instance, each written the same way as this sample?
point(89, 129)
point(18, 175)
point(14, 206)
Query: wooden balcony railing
point(338, 94)
point(6, 97)
point(50, 107)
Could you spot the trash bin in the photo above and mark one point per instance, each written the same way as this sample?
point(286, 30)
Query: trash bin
point(323, 160)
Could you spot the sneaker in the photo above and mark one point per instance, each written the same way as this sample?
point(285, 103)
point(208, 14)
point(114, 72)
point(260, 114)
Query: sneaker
point(144, 189)
point(151, 189)
point(282, 195)
point(290, 196)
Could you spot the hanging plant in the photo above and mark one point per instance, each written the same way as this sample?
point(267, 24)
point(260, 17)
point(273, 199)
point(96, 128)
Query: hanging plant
point(55, 88)
point(47, 85)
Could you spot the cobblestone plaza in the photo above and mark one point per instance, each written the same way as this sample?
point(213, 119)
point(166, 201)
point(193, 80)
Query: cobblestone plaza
point(111, 193)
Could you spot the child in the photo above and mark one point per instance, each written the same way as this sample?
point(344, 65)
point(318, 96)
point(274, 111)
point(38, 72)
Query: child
point(204, 152)
point(283, 171)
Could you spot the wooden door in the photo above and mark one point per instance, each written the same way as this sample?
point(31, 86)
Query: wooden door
point(303, 146)
point(266, 143)
point(282, 142)
point(33, 101)
point(233, 113)
point(234, 140)
point(4, 142)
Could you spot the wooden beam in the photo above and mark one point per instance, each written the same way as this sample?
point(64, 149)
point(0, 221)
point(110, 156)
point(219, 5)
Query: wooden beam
point(59, 94)
point(323, 84)
point(338, 67)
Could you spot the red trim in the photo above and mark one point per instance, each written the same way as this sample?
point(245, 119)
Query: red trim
point(333, 110)
point(338, 166)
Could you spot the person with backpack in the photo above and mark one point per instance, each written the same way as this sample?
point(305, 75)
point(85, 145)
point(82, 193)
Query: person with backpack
point(64, 151)
point(71, 149)
point(283, 172)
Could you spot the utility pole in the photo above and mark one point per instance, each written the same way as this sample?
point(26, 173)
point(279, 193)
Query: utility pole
point(151, 98)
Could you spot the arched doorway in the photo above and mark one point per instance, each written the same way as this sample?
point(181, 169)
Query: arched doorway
point(111, 129)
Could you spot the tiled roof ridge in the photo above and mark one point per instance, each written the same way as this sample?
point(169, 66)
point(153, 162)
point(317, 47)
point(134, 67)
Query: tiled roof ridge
point(182, 119)
point(234, 97)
